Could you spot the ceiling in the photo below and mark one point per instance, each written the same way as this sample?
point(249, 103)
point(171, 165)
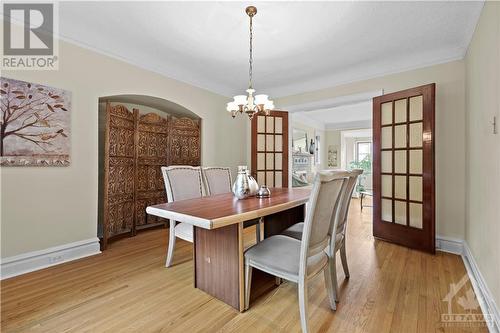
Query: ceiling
point(358, 115)
point(299, 46)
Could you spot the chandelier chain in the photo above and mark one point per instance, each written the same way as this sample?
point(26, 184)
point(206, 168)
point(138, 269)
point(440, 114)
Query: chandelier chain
point(250, 70)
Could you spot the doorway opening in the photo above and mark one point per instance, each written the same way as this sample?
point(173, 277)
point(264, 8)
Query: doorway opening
point(357, 153)
point(340, 133)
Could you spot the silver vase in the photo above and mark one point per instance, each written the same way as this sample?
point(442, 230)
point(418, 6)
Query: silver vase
point(241, 186)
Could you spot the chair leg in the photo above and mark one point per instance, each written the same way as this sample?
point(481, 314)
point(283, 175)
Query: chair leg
point(303, 306)
point(248, 285)
point(171, 244)
point(329, 287)
point(333, 274)
point(257, 232)
point(343, 258)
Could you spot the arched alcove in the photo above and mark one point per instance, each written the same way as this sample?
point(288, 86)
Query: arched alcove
point(139, 134)
point(157, 103)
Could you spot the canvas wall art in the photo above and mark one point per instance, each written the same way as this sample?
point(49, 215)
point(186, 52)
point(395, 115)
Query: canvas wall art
point(333, 156)
point(35, 124)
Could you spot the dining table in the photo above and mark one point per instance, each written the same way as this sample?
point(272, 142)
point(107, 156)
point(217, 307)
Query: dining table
point(218, 234)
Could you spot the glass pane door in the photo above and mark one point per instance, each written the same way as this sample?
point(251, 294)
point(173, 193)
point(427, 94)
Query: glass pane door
point(401, 160)
point(403, 126)
point(270, 149)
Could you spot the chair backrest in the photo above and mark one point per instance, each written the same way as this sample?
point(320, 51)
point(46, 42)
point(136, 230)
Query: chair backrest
point(338, 205)
point(323, 201)
point(217, 180)
point(346, 201)
point(182, 182)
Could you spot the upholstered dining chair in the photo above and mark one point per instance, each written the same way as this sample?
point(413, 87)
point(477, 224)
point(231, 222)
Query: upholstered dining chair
point(299, 261)
point(181, 182)
point(218, 180)
point(338, 228)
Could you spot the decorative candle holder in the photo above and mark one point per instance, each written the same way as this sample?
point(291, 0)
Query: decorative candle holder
point(264, 192)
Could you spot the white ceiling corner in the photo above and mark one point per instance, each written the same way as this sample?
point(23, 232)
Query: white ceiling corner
point(299, 46)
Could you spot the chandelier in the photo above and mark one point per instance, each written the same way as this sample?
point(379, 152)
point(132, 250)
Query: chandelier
point(250, 104)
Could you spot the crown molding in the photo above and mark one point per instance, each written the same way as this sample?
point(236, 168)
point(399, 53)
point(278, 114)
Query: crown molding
point(471, 32)
point(332, 81)
point(226, 92)
point(349, 75)
point(219, 90)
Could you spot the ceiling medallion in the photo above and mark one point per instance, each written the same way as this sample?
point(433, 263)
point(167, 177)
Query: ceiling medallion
point(250, 104)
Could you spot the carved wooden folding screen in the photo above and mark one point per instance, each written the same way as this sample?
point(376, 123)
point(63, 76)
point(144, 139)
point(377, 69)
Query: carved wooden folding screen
point(119, 172)
point(136, 147)
point(152, 154)
point(184, 141)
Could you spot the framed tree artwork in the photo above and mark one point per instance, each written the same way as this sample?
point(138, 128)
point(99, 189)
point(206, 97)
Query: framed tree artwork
point(35, 124)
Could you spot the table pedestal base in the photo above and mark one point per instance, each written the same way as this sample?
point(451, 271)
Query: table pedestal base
point(218, 256)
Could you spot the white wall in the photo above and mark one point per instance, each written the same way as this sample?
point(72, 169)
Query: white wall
point(482, 229)
point(450, 131)
point(49, 206)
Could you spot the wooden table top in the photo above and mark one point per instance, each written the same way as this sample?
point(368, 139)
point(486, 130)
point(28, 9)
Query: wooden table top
point(216, 211)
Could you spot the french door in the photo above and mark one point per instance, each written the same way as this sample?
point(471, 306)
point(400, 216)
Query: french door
point(270, 149)
point(403, 168)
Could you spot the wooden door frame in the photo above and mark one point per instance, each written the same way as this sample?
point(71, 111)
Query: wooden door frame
point(412, 236)
point(285, 148)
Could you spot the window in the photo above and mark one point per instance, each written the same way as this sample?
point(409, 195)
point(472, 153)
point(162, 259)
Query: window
point(363, 151)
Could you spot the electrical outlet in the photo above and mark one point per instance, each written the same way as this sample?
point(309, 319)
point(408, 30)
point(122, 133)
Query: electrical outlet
point(56, 259)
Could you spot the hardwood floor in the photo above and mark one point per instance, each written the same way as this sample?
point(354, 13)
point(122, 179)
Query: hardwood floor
point(128, 289)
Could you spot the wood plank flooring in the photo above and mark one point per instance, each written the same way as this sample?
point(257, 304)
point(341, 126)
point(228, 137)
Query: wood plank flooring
point(128, 289)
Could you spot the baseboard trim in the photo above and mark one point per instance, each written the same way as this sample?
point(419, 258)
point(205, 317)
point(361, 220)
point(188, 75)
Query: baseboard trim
point(36, 260)
point(450, 245)
point(483, 293)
